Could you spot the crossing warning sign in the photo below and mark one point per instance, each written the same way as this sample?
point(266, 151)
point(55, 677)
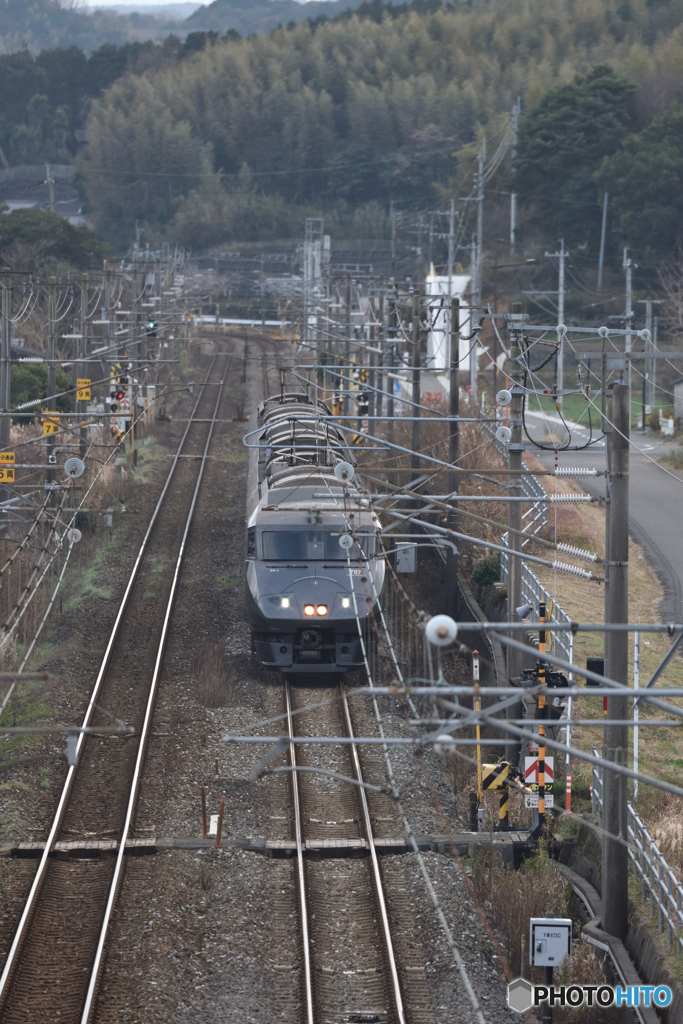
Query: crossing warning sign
point(531, 781)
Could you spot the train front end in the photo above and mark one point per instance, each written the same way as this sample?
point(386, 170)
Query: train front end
point(313, 580)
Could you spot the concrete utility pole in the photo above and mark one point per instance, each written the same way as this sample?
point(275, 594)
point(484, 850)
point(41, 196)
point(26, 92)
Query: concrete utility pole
point(392, 313)
point(415, 411)
point(347, 347)
point(451, 246)
point(650, 368)
point(5, 364)
point(615, 745)
point(51, 373)
point(453, 455)
point(628, 312)
point(81, 343)
point(381, 336)
point(480, 219)
point(515, 323)
point(561, 256)
point(513, 196)
point(601, 258)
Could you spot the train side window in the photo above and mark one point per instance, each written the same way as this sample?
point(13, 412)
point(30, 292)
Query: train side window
point(251, 542)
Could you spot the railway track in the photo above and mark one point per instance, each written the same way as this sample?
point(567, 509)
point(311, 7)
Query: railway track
point(55, 961)
point(354, 965)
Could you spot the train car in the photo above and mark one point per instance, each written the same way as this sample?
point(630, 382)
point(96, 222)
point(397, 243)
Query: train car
point(313, 571)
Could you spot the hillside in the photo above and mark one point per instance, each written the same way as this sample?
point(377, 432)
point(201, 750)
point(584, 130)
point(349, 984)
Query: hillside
point(261, 15)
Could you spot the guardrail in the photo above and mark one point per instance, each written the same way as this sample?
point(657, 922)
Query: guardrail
point(658, 881)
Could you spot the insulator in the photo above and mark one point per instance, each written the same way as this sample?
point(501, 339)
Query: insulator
point(569, 549)
point(568, 499)
point(573, 570)
point(575, 471)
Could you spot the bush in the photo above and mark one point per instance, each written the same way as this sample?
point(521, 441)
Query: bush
point(486, 572)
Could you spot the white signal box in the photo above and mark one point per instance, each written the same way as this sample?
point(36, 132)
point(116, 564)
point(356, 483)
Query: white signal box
point(551, 940)
point(405, 557)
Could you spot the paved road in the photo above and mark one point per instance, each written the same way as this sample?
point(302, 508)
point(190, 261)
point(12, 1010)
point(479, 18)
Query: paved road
point(655, 512)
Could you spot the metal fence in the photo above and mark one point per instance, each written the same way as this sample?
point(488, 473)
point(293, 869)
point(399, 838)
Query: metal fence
point(658, 881)
point(533, 591)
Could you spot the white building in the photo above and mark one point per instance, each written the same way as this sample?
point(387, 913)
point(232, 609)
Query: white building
point(438, 339)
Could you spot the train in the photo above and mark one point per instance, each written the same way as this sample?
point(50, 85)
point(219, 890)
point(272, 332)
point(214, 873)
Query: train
point(314, 566)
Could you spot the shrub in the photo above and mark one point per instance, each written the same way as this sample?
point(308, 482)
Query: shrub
point(486, 572)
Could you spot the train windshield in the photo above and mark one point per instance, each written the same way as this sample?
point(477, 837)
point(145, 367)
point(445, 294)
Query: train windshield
point(310, 545)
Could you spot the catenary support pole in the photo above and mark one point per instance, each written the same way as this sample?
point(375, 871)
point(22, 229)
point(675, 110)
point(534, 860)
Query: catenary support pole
point(416, 432)
point(514, 597)
point(615, 745)
point(453, 453)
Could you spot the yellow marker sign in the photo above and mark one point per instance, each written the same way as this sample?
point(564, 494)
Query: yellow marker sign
point(83, 386)
point(83, 382)
point(6, 475)
point(6, 458)
point(51, 424)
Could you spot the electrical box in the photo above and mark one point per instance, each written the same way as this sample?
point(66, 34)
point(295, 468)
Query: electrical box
point(551, 940)
point(405, 557)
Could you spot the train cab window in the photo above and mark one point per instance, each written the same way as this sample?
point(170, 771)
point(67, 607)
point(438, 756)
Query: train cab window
point(251, 542)
point(311, 545)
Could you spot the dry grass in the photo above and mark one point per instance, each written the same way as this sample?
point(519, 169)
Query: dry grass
point(215, 684)
point(668, 834)
point(511, 897)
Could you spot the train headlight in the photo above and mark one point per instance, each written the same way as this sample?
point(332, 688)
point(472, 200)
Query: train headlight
point(346, 602)
point(321, 609)
point(309, 609)
point(284, 603)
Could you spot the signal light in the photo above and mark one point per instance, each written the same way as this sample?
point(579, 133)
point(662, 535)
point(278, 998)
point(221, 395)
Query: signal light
point(309, 609)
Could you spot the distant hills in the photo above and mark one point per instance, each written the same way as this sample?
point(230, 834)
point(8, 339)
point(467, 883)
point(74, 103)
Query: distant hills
point(47, 24)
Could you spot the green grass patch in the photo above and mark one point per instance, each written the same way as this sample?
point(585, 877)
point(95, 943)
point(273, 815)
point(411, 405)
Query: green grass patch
point(224, 581)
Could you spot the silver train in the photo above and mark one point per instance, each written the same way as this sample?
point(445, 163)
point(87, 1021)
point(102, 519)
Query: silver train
point(313, 574)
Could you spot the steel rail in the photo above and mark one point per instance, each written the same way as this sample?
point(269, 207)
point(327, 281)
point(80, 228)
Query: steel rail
point(301, 874)
point(144, 732)
point(36, 887)
point(376, 874)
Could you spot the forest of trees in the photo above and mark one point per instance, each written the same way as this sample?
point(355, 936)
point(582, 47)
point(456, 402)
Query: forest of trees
point(211, 139)
point(340, 116)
